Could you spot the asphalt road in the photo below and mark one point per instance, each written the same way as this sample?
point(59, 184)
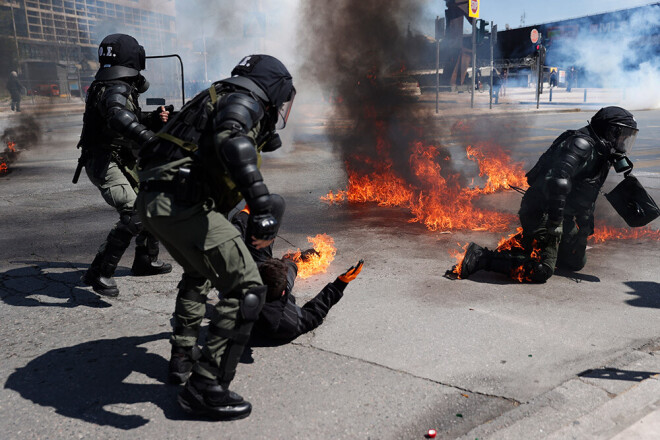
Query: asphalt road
point(405, 350)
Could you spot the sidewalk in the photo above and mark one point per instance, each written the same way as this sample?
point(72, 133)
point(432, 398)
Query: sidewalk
point(44, 105)
point(523, 100)
point(619, 401)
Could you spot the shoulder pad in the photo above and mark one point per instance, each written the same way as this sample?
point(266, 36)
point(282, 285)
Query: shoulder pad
point(116, 95)
point(582, 146)
point(578, 145)
point(238, 109)
point(118, 88)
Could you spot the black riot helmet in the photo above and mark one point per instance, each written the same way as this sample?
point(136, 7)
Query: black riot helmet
point(617, 129)
point(120, 56)
point(275, 85)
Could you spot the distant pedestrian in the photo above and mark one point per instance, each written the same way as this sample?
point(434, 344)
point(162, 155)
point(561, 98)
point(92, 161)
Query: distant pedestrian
point(15, 89)
point(571, 77)
point(505, 78)
point(553, 78)
point(497, 85)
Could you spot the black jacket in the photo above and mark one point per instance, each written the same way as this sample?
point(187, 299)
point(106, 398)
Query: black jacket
point(15, 88)
point(283, 319)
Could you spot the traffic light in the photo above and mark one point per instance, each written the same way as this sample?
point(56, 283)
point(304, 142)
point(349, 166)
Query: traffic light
point(481, 30)
point(540, 52)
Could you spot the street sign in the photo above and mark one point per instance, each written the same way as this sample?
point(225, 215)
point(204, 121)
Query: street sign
point(534, 36)
point(474, 9)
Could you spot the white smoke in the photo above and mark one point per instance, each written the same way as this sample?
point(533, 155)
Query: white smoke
point(621, 55)
point(233, 29)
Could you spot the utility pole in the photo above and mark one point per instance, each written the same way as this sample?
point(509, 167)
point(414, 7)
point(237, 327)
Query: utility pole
point(18, 53)
point(206, 75)
point(439, 33)
point(493, 31)
point(474, 59)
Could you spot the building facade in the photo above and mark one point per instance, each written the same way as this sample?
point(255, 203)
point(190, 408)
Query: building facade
point(56, 41)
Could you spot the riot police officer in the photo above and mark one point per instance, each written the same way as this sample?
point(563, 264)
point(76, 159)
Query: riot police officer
point(557, 211)
point(204, 162)
point(114, 128)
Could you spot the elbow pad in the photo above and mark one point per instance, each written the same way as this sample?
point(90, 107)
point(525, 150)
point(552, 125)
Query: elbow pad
point(240, 158)
point(120, 119)
point(126, 123)
point(557, 189)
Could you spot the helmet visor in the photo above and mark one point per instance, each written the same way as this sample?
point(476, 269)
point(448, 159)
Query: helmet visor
point(285, 110)
point(625, 139)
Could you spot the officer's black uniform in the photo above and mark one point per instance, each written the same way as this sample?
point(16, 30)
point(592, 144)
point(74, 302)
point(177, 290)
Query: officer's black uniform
point(557, 211)
point(114, 128)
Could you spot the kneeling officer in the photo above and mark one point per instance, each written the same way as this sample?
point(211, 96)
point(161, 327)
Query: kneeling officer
point(203, 163)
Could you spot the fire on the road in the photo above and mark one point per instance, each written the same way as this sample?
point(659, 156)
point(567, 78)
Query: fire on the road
point(9, 155)
point(602, 233)
point(441, 203)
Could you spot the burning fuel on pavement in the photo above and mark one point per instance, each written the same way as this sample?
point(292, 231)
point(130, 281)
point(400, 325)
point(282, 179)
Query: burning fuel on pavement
point(19, 137)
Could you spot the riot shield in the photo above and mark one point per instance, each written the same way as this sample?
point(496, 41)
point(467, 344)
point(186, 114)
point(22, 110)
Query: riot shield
point(633, 203)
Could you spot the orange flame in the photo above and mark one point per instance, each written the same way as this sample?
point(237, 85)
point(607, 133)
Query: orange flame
point(317, 263)
point(602, 233)
point(11, 146)
point(459, 256)
point(438, 202)
point(3, 167)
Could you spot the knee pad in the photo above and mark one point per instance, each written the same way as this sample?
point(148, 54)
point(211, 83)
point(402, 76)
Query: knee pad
point(130, 222)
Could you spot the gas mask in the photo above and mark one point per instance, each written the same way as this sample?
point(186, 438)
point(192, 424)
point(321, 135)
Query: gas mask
point(618, 140)
point(272, 143)
point(615, 129)
point(621, 139)
point(141, 84)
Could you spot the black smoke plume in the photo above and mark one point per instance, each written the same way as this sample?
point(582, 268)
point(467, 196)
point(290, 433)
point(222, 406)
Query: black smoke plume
point(24, 134)
point(358, 52)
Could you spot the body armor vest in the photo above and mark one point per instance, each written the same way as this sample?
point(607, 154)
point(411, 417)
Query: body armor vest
point(586, 184)
point(190, 134)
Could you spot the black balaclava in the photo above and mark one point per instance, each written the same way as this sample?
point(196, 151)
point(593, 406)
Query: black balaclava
point(269, 74)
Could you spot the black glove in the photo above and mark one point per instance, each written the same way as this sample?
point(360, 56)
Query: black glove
point(263, 226)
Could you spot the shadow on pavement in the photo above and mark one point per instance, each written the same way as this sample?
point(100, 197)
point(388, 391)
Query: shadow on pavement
point(90, 381)
point(616, 374)
point(647, 292)
point(32, 285)
point(577, 276)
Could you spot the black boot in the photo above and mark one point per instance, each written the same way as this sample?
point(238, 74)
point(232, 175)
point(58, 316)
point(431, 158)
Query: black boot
point(181, 363)
point(144, 264)
point(99, 276)
point(146, 260)
point(475, 259)
point(207, 398)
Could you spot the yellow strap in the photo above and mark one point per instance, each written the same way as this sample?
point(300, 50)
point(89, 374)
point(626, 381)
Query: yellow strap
point(188, 146)
point(213, 94)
